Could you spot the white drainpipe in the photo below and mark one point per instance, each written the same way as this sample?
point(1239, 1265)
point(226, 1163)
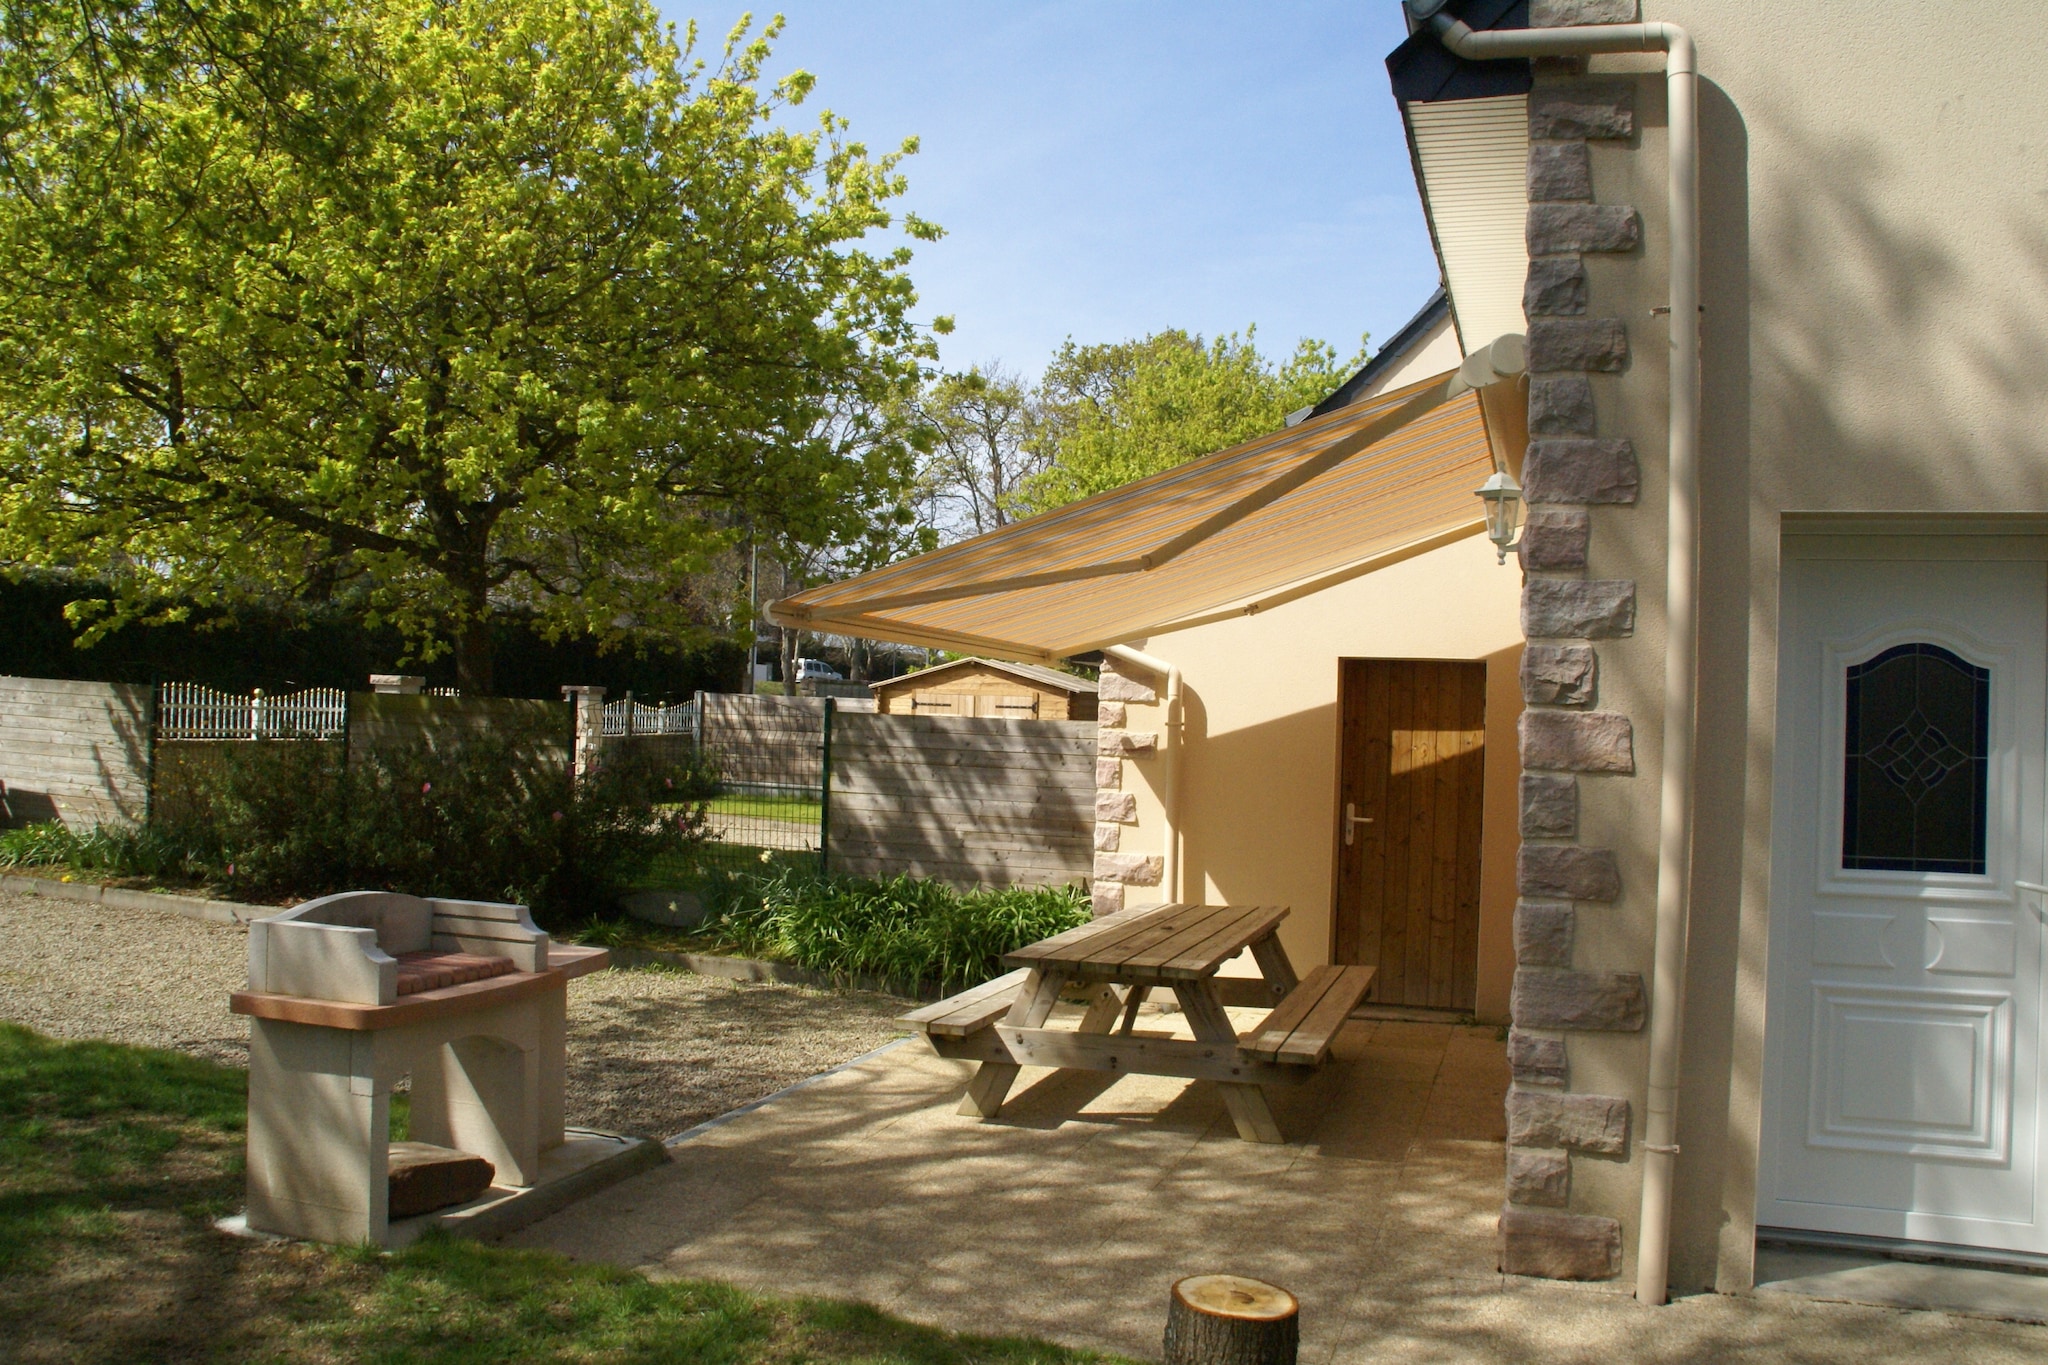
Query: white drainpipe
point(1674, 843)
point(1169, 780)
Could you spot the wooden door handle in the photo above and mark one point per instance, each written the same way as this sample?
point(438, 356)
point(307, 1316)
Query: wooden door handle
point(1352, 820)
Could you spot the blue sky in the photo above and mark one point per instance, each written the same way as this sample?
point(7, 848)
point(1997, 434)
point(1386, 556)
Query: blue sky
point(1104, 170)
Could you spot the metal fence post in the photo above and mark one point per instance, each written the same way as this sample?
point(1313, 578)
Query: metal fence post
point(825, 793)
point(154, 721)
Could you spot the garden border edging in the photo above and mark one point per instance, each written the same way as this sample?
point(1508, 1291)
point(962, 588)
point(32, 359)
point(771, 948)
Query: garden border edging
point(120, 898)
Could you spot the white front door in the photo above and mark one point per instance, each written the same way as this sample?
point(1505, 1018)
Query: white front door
point(1903, 1076)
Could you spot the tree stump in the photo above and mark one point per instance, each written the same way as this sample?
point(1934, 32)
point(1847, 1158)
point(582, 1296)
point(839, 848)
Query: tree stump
point(1230, 1320)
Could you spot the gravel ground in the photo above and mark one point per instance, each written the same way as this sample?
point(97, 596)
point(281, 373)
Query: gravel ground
point(651, 1051)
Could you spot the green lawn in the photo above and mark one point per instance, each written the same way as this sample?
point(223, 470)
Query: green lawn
point(114, 1161)
point(768, 806)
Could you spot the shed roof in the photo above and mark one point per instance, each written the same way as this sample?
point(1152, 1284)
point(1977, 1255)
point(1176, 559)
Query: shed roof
point(1232, 533)
point(1045, 677)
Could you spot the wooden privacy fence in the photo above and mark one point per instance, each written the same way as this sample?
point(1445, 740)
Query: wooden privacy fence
point(73, 751)
point(963, 800)
point(90, 753)
point(379, 719)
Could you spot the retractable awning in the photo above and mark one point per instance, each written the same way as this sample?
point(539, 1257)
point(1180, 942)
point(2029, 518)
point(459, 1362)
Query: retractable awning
point(1231, 533)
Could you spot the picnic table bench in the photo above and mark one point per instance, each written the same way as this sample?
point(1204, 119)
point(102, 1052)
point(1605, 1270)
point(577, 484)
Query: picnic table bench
point(1122, 959)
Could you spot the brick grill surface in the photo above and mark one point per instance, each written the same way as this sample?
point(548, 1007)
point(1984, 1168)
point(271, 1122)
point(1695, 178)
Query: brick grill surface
point(430, 971)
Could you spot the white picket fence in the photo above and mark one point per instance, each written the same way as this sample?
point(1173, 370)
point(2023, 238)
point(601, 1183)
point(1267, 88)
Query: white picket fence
point(195, 711)
point(628, 717)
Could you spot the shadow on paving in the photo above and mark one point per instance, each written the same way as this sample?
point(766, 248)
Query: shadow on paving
point(1070, 1215)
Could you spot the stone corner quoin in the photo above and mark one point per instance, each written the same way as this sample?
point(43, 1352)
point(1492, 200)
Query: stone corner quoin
point(1576, 480)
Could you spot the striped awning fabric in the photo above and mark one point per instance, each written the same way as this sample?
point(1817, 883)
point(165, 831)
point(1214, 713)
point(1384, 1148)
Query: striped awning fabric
point(1230, 533)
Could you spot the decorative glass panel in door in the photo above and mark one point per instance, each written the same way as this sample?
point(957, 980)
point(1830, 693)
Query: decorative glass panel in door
point(1916, 731)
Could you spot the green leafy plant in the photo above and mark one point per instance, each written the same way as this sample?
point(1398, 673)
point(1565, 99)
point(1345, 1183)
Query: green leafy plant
point(447, 304)
point(494, 817)
point(906, 931)
point(145, 852)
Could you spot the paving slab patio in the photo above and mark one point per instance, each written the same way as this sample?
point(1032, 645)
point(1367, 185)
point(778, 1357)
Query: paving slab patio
point(1070, 1215)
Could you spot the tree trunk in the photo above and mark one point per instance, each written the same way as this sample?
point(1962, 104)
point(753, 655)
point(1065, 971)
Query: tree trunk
point(474, 659)
point(1230, 1320)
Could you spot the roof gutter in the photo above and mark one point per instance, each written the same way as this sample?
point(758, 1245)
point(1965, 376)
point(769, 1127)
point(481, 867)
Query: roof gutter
point(1169, 798)
point(1674, 843)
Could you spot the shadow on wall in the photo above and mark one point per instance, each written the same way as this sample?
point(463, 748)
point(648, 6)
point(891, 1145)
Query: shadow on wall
point(1881, 345)
point(382, 720)
point(1722, 769)
point(1254, 806)
point(20, 806)
point(1851, 295)
point(72, 751)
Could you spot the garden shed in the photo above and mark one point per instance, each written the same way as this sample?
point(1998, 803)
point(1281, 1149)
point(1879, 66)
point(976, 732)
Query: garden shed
point(991, 688)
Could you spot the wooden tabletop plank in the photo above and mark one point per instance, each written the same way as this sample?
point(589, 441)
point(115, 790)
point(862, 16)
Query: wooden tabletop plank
point(1099, 925)
point(1189, 936)
point(1111, 943)
point(1188, 923)
point(1223, 940)
point(1147, 927)
point(1091, 936)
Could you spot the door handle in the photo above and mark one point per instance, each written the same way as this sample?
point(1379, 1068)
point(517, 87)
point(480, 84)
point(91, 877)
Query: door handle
point(1352, 820)
point(2033, 886)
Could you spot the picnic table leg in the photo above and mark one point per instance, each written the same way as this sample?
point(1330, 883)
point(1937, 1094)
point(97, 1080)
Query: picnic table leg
point(1137, 998)
point(1275, 966)
point(1247, 1103)
point(1102, 1011)
point(991, 1083)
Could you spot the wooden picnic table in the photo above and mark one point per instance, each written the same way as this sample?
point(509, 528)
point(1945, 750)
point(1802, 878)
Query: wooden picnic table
point(1121, 959)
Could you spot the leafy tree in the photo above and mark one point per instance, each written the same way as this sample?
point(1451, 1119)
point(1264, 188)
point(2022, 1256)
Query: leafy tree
point(883, 527)
point(1113, 413)
point(441, 307)
point(979, 425)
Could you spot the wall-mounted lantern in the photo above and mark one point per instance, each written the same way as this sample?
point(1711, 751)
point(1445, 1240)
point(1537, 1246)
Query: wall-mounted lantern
point(1503, 499)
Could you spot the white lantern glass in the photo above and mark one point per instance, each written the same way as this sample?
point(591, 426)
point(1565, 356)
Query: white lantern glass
point(1503, 499)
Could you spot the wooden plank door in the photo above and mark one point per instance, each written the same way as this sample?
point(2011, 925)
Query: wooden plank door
point(935, 703)
point(1411, 778)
